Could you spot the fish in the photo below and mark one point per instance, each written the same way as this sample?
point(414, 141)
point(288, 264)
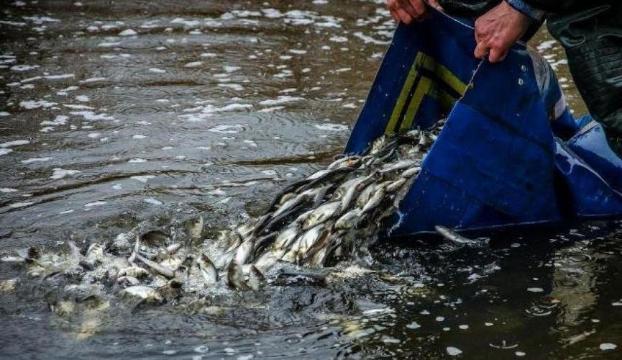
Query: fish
point(375, 199)
point(455, 237)
point(142, 293)
point(244, 251)
point(286, 237)
point(255, 278)
point(207, 269)
point(235, 276)
point(349, 219)
point(162, 270)
point(321, 214)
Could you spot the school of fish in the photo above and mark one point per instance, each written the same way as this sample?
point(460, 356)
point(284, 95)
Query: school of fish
point(332, 215)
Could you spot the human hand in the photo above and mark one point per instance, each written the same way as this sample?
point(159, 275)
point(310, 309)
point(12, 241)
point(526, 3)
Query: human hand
point(408, 10)
point(497, 30)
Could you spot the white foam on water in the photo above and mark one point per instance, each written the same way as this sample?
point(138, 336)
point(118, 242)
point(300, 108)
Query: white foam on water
point(36, 160)
point(153, 201)
point(66, 212)
point(83, 98)
point(4, 114)
point(109, 44)
point(608, 346)
point(117, 187)
point(413, 325)
point(280, 100)
point(453, 351)
point(93, 79)
point(5, 151)
point(91, 116)
point(22, 68)
point(231, 69)
point(21, 204)
point(137, 160)
point(227, 129)
point(128, 32)
point(95, 203)
point(463, 327)
point(236, 87)
point(59, 173)
point(58, 120)
point(59, 76)
point(331, 127)
point(143, 178)
point(38, 19)
point(7, 190)
point(14, 143)
point(535, 289)
point(156, 70)
point(186, 23)
point(138, 137)
point(272, 109)
point(78, 107)
point(338, 39)
point(36, 104)
point(194, 64)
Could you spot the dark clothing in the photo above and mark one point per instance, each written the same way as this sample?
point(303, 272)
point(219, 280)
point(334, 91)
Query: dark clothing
point(591, 33)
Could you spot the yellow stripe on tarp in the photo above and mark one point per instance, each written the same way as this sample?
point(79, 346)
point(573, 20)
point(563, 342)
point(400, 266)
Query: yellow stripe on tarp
point(401, 100)
point(423, 88)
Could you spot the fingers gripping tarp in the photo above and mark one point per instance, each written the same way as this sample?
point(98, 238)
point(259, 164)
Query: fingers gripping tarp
point(500, 160)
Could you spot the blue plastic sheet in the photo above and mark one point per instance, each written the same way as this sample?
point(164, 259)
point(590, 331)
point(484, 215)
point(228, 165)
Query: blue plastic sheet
point(510, 153)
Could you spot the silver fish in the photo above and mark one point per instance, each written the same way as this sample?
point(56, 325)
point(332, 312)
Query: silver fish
point(268, 259)
point(255, 278)
point(235, 276)
point(134, 271)
point(286, 237)
point(454, 236)
point(396, 185)
point(162, 270)
point(321, 214)
point(244, 251)
point(143, 293)
point(402, 164)
point(208, 270)
point(374, 200)
point(349, 219)
point(410, 172)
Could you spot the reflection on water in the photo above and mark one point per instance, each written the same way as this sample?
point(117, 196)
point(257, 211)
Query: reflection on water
point(114, 113)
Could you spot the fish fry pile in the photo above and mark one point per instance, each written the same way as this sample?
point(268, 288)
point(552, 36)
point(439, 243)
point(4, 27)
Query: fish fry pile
point(334, 214)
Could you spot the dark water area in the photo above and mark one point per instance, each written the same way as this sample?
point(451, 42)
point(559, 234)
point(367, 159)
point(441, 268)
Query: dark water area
point(119, 113)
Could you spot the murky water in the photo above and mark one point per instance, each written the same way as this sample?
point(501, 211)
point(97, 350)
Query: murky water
point(114, 113)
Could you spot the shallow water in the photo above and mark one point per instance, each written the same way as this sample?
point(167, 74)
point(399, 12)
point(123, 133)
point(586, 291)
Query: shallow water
point(115, 113)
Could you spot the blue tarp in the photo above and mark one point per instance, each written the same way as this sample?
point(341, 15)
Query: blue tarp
point(510, 153)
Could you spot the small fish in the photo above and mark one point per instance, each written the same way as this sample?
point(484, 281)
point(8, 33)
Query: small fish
point(255, 278)
point(455, 237)
point(164, 271)
point(402, 164)
point(143, 293)
point(134, 271)
point(374, 200)
point(396, 185)
point(244, 251)
point(127, 281)
point(321, 214)
point(310, 237)
point(286, 237)
point(268, 259)
point(195, 228)
point(208, 270)
point(235, 276)
point(410, 172)
point(349, 220)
